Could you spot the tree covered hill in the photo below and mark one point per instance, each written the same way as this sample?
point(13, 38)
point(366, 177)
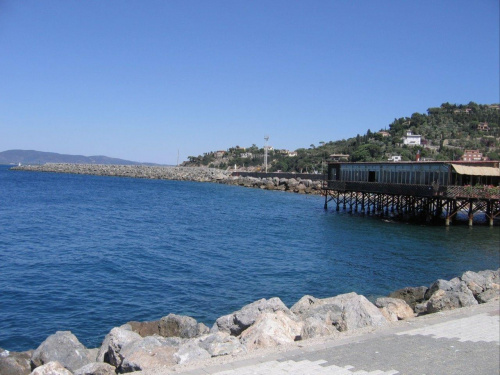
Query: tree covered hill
point(40, 157)
point(446, 132)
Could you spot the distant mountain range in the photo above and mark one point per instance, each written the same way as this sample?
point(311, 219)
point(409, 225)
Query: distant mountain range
point(40, 157)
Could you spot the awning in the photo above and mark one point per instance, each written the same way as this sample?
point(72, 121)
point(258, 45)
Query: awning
point(476, 171)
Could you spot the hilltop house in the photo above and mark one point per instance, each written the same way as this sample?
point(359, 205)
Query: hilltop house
point(483, 126)
point(412, 139)
point(219, 154)
point(472, 155)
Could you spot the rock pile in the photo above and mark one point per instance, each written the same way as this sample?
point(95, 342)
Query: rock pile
point(294, 185)
point(135, 171)
point(175, 339)
point(198, 174)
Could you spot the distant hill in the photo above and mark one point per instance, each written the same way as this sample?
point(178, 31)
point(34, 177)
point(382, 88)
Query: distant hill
point(445, 133)
point(40, 157)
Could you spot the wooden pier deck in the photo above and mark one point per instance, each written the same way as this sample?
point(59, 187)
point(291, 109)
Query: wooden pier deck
point(431, 202)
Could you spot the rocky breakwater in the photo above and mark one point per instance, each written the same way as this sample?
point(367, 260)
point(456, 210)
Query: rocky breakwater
point(135, 171)
point(175, 340)
point(198, 174)
point(294, 185)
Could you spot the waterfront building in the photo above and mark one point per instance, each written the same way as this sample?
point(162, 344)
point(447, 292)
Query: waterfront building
point(427, 189)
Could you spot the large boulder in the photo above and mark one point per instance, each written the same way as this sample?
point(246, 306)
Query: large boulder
point(147, 353)
point(190, 352)
point(220, 343)
point(51, 368)
point(492, 277)
point(357, 312)
point(181, 326)
point(345, 312)
point(13, 363)
point(446, 295)
point(238, 321)
point(316, 327)
point(411, 295)
point(96, 368)
point(211, 345)
point(459, 296)
point(64, 348)
point(270, 330)
point(394, 309)
point(481, 281)
point(146, 328)
point(488, 295)
point(305, 304)
point(113, 343)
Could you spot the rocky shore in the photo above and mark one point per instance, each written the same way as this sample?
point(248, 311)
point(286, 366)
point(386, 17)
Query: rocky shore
point(198, 174)
point(174, 341)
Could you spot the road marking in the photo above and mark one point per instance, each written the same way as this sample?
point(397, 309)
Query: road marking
point(482, 327)
point(304, 367)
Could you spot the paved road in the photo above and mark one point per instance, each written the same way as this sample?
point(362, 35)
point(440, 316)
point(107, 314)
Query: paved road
point(463, 341)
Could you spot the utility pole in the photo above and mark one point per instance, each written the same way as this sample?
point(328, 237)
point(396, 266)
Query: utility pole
point(265, 152)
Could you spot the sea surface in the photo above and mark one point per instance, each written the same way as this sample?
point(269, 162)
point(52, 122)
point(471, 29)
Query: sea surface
point(88, 253)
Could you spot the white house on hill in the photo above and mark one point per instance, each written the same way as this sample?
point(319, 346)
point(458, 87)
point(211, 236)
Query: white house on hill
point(412, 139)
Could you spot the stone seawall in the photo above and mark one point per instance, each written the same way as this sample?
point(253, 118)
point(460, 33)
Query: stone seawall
point(198, 174)
point(176, 340)
point(134, 171)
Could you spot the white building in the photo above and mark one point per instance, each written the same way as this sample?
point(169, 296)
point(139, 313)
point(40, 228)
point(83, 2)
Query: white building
point(395, 158)
point(412, 139)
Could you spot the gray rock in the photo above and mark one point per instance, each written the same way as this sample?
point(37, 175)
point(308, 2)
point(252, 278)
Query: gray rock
point(190, 352)
point(443, 300)
point(15, 363)
point(181, 326)
point(345, 312)
point(64, 348)
point(316, 327)
point(113, 343)
point(420, 308)
point(357, 312)
point(304, 305)
point(146, 328)
point(412, 296)
point(492, 277)
point(488, 295)
point(220, 343)
point(394, 309)
point(51, 368)
point(475, 282)
point(443, 285)
point(146, 353)
point(238, 321)
point(96, 368)
point(271, 329)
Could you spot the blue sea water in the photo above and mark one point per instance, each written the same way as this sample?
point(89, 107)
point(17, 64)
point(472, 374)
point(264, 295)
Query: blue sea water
point(87, 253)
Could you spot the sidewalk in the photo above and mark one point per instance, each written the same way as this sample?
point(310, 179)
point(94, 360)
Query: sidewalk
point(462, 341)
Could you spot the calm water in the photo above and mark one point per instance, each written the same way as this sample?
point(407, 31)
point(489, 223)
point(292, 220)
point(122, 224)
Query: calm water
point(87, 253)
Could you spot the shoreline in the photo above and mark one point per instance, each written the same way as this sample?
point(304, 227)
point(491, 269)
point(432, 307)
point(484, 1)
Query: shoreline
point(195, 174)
point(177, 343)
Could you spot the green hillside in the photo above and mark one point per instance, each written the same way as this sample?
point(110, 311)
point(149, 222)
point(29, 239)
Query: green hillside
point(40, 157)
point(445, 131)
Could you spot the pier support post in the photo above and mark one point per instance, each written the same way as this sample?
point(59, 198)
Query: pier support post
point(471, 214)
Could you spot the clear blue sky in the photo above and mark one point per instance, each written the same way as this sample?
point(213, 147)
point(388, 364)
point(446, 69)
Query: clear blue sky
point(142, 79)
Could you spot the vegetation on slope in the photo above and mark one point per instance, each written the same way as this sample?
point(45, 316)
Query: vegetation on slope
point(447, 131)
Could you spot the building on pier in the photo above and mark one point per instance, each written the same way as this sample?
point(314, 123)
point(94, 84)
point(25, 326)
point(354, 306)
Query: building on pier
point(426, 190)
